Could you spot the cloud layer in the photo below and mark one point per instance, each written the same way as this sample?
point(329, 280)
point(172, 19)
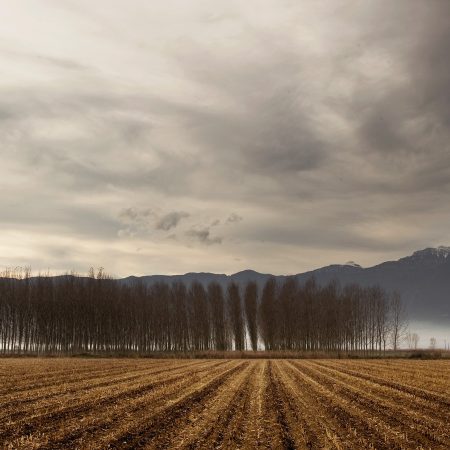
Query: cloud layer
point(277, 135)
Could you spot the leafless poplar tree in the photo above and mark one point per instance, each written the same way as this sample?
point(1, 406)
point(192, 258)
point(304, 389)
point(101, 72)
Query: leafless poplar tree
point(398, 321)
point(236, 317)
point(97, 314)
point(219, 321)
point(251, 313)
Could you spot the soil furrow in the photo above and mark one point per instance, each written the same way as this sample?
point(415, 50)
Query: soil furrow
point(47, 419)
point(428, 435)
point(402, 402)
point(86, 386)
point(98, 427)
point(230, 411)
point(71, 403)
point(442, 400)
point(160, 424)
point(278, 404)
point(347, 416)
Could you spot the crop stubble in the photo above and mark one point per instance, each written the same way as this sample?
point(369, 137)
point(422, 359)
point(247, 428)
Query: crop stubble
point(183, 404)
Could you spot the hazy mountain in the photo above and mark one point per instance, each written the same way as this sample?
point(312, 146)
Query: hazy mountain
point(423, 279)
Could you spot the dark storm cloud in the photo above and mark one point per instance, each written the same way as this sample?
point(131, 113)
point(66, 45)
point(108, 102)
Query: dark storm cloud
point(268, 130)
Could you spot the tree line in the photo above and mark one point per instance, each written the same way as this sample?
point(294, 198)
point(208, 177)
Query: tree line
point(98, 314)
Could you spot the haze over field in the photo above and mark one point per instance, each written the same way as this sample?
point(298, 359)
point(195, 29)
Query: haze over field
point(168, 137)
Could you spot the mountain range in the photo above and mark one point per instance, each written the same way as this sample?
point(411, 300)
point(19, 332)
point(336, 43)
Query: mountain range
point(423, 280)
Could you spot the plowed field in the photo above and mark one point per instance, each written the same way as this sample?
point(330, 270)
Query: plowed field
point(276, 404)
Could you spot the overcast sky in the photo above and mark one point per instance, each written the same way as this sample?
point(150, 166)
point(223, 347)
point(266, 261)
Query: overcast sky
point(173, 136)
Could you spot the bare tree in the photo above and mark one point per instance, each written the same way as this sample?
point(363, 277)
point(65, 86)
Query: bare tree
point(199, 317)
point(398, 322)
point(413, 340)
point(432, 343)
point(219, 321)
point(287, 305)
point(251, 312)
point(236, 317)
point(73, 314)
point(180, 317)
point(268, 314)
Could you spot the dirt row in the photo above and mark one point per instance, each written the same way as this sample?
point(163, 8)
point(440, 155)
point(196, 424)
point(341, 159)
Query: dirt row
point(207, 404)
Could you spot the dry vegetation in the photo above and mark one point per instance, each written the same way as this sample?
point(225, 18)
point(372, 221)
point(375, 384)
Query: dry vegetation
point(137, 403)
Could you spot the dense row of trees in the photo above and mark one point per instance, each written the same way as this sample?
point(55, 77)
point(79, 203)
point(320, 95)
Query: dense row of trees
point(72, 314)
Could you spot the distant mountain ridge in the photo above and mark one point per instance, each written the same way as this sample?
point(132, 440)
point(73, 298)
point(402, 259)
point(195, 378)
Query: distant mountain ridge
point(422, 278)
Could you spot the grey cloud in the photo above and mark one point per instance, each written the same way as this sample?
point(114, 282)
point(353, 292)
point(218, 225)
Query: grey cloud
point(170, 220)
point(126, 232)
point(284, 119)
point(234, 218)
point(140, 221)
point(204, 236)
point(272, 133)
point(135, 221)
point(53, 213)
point(49, 61)
point(405, 116)
point(136, 214)
point(89, 124)
point(393, 116)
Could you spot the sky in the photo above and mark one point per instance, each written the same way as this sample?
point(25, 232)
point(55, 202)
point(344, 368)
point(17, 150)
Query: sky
point(175, 136)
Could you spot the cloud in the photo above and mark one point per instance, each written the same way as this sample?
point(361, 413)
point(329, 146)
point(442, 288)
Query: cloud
point(136, 220)
point(327, 126)
point(136, 215)
point(234, 218)
point(204, 236)
point(144, 220)
point(170, 220)
point(47, 61)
